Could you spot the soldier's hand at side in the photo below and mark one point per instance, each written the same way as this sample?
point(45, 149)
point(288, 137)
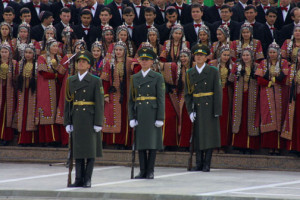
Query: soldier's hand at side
point(193, 116)
point(106, 99)
point(97, 128)
point(69, 128)
point(133, 123)
point(158, 123)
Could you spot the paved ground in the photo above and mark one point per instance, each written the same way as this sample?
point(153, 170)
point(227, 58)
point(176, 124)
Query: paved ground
point(41, 181)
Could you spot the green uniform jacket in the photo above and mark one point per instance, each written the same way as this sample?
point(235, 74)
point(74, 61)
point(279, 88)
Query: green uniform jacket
point(146, 112)
point(206, 125)
point(86, 142)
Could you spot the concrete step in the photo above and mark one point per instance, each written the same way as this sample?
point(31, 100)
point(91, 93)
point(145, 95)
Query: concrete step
point(58, 156)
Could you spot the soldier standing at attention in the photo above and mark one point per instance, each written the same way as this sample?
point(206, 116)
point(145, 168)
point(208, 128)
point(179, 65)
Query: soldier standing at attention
point(146, 112)
point(203, 97)
point(83, 118)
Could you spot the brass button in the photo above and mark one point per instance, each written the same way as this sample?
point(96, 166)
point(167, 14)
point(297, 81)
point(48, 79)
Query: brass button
point(83, 109)
point(140, 103)
point(148, 85)
point(198, 104)
point(139, 95)
point(76, 109)
point(147, 94)
point(75, 91)
point(206, 103)
point(147, 102)
point(83, 99)
point(205, 83)
point(83, 90)
point(139, 86)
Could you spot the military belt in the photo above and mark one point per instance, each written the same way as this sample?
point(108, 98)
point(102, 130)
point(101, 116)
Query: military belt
point(84, 103)
point(145, 98)
point(203, 94)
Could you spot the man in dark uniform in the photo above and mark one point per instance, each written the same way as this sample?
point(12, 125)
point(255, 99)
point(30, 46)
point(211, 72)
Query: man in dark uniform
point(146, 110)
point(36, 8)
point(203, 98)
point(83, 118)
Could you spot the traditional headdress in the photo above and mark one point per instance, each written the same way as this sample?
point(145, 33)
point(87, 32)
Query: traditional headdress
point(80, 42)
point(107, 28)
point(153, 29)
point(247, 26)
point(205, 29)
point(119, 29)
point(50, 27)
point(175, 28)
point(9, 27)
point(97, 44)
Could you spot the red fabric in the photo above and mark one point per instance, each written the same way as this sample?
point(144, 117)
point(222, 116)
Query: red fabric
point(240, 139)
point(225, 127)
point(137, 68)
point(49, 133)
point(262, 82)
point(170, 127)
point(64, 135)
point(106, 86)
point(296, 126)
point(26, 137)
point(186, 129)
point(270, 140)
point(6, 133)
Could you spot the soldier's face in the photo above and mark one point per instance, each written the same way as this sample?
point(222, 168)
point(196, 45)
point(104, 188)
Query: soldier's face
point(200, 59)
point(145, 63)
point(83, 66)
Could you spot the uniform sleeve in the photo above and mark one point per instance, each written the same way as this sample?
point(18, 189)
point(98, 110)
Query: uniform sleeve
point(68, 106)
point(188, 98)
point(99, 103)
point(131, 103)
point(217, 94)
point(160, 98)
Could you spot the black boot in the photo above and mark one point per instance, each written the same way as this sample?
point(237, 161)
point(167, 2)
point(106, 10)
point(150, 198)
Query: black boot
point(79, 169)
point(151, 164)
point(143, 164)
point(88, 172)
point(199, 161)
point(207, 160)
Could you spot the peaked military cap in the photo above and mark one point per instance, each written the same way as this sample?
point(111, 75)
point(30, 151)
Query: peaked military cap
point(145, 52)
point(200, 48)
point(85, 55)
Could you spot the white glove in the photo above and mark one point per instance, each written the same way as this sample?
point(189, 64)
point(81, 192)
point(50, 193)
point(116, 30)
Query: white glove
point(69, 129)
point(97, 128)
point(193, 116)
point(159, 123)
point(133, 123)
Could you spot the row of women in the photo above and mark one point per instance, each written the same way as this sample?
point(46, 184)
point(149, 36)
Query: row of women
point(259, 95)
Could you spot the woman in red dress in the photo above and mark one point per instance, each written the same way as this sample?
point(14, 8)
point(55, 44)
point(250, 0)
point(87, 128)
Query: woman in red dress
point(272, 75)
point(224, 64)
point(6, 36)
point(223, 35)
point(7, 98)
point(246, 41)
point(245, 111)
point(49, 81)
point(115, 77)
point(26, 102)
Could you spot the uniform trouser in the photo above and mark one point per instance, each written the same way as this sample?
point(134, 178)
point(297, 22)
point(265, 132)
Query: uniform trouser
point(203, 158)
point(84, 169)
point(147, 161)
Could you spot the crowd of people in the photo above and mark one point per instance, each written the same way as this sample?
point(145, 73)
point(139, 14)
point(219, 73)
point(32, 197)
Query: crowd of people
point(254, 47)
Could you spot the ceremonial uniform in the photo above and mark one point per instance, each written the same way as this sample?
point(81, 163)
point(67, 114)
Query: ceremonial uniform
point(147, 107)
point(84, 108)
point(203, 98)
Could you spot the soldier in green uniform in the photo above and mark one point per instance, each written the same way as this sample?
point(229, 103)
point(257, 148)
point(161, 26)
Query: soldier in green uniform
point(147, 111)
point(203, 97)
point(83, 118)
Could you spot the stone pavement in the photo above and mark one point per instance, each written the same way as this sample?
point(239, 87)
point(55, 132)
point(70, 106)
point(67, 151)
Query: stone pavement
point(41, 181)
